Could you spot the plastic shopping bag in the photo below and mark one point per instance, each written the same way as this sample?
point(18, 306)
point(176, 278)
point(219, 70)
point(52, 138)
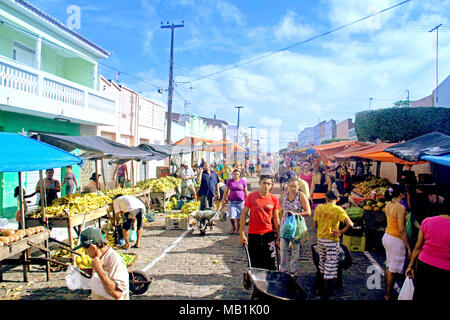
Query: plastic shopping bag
point(75, 280)
point(288, 229)
point(98, 288)
point(409, 226)
point(301, 232)
point(407, 291)
point(132, 235)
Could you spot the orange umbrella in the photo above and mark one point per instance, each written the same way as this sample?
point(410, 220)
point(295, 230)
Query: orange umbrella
point(327, 151)
point(187, 141)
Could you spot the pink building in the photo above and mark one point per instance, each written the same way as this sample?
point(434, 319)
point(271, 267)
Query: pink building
point(138, 120)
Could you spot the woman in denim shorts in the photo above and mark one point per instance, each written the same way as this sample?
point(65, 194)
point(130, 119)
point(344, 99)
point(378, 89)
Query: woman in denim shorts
point(235, 194)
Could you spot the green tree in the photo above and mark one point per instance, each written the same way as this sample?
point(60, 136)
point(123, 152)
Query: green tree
point(401, 104)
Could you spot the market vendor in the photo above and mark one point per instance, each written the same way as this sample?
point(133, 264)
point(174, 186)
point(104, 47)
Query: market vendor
point(110, 279)
point(52, 187)
point(129, 207)
point(25, 204)
point(92, 184)
point(209, 186)
point(187, 184)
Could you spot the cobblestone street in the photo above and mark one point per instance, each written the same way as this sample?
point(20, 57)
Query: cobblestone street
point(186, 265)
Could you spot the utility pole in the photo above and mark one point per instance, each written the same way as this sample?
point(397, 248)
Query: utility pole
point(437, 42)
point(407, 91)
point(237, 131)
point(370, 103)
point(172, 27)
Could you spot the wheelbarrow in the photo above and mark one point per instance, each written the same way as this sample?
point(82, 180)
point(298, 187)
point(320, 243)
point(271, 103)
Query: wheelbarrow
point(204, 218)
point(270, 284)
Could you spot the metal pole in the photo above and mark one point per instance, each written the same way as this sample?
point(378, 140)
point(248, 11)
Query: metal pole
point(437, 44)
point(170, 93)
point(237, 131)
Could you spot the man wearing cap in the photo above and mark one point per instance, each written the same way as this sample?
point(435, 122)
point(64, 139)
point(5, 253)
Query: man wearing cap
point(129, 207)
point(187, 174)
point(110, 275)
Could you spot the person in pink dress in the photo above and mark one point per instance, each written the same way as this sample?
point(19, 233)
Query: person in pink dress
point(306, 174)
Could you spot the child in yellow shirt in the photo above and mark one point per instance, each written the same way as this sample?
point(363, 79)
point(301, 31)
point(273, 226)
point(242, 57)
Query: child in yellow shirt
point(326, 219)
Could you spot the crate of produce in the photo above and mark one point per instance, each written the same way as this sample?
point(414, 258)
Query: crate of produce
point(354, 243)
point(177, 223)
point(356, 231)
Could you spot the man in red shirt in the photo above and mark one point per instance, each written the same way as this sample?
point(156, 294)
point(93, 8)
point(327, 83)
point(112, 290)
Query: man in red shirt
point(263, 226)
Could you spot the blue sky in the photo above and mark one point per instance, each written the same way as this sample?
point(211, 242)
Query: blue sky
point(332, 77)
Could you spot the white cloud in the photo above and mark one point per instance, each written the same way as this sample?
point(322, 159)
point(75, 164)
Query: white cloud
point(269, 122)
point(229, 12)
point(288, 29)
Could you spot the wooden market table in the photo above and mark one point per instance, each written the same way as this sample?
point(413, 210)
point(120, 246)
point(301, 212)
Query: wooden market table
point(159, 200)
point(70, 222)
point(145, 197)
point(38, 240)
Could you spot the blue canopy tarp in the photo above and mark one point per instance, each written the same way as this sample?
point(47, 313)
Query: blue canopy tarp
point(20, 153)
point(442, 160)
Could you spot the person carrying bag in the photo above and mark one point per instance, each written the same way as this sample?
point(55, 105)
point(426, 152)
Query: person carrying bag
point(295, 206)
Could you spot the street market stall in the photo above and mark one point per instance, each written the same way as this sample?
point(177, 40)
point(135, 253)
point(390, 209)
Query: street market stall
point(369, 195)
point(18, 154)
point(75, 211)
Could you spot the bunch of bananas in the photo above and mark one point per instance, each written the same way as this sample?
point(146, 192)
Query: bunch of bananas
point(124, 191)
point(173, 202)
point(178, 216)
point(175, 181)
point(74, 204)
point(145, 184)
point(161, 185)
point(189, 207)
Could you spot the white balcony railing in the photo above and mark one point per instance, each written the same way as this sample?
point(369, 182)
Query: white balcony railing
point(55, 94)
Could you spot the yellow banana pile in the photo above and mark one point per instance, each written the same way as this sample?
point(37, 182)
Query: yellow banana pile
point(124, 191)
point(189, 207)
point(173, 202)
point(73, 204)
point(178, 216)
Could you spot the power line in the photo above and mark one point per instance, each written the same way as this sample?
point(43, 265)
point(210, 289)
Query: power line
point(298, 43)
point(130, 75)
